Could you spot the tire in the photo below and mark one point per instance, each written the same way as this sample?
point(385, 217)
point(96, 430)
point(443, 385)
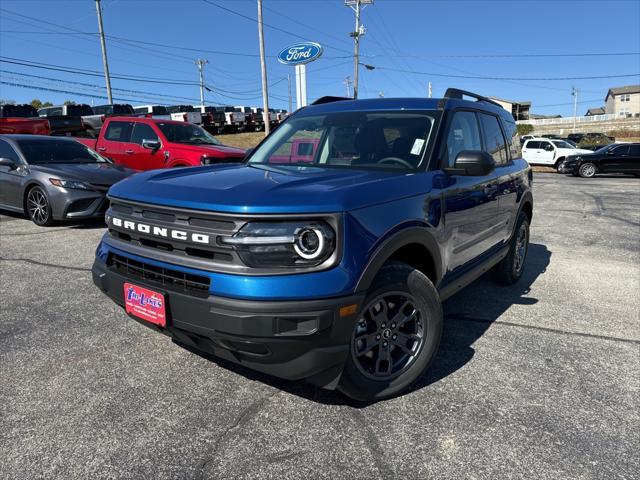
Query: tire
point(38, 207)
point(587, 170)
point(557, 164)
point(377, 366)
point(510, 268)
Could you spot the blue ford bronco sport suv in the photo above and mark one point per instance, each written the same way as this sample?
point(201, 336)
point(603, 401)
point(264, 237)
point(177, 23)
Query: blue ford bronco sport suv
point(327, 254)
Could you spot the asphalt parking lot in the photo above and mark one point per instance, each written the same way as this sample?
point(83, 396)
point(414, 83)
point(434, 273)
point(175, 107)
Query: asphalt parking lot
point(537, 380)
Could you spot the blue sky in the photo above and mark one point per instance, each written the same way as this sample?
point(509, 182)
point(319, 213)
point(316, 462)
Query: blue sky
point(483, 38)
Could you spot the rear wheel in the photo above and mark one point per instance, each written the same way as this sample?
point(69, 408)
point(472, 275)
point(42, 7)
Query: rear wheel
point(39, 208)
point(587, 170)
point(510, 268)
point(396, 336)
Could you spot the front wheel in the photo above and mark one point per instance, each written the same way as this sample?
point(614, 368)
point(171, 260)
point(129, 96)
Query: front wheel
point(39, 208)
point(587, 170)
point(396, 335)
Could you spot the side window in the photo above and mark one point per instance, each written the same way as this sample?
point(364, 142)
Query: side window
point(634, 150)
point(546, 146)
point(532, 144)
point(118, 132)
point(7, 151)
point(494, 143)
point(464, 134)
point(621, 150)
point(511, 132)
point(142, 131)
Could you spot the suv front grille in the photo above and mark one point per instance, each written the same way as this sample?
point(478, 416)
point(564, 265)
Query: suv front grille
point(195, 285)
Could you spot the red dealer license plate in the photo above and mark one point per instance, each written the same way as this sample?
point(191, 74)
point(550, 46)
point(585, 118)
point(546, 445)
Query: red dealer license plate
point(145, 304)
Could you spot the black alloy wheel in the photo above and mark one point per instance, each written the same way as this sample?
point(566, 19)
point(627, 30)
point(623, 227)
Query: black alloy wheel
point(388, 336)
point(38, 207)
point(395, 336)
point(510, 268)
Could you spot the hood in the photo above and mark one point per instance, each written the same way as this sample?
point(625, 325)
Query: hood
point(269, 189)
point(215, 150)
point(577, 151)
point(96, 173)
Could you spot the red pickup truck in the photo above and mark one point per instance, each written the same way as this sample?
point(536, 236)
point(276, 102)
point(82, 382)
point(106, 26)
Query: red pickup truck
point(146, 143)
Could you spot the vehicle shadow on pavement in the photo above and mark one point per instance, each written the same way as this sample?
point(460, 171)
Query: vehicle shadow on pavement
point(75, 225)
point(461, 330)
point(471, 312)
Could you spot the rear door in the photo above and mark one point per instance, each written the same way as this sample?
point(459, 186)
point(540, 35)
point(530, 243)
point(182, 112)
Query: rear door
point(615, 160)
point(114, 143)
point(633, 162)
point(470, 203)
point(531, 151)
point(139, 157)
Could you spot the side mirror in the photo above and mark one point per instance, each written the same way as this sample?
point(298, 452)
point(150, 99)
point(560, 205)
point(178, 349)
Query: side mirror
point(473, 163)
point(150, 144)
point(549, 148)
point(7, 162)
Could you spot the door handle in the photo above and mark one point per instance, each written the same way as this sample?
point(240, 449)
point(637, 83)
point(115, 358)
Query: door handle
point(130, 152)
point(102, 149)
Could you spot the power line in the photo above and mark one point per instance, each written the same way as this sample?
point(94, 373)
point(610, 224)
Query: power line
point(479, 77)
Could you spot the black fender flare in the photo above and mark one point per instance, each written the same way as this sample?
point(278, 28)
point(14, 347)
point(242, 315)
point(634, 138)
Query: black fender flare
point(527, 197)
point(407, 236)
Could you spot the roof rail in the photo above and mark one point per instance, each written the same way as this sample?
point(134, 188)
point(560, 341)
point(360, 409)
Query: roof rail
point(330, 99)
point(457, 93)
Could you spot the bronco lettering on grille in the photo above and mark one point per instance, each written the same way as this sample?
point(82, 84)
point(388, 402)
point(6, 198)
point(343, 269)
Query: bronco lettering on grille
point(161, 231)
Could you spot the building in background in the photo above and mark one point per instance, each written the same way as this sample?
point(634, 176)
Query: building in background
point(623, 101)
point(595, 111)
point(519, 110)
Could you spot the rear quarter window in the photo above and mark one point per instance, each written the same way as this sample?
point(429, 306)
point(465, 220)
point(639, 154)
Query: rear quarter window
point(118, 131)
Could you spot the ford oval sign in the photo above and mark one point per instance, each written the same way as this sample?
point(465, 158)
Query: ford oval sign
point(300, 53)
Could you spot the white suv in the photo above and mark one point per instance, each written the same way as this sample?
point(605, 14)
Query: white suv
point(549, 151)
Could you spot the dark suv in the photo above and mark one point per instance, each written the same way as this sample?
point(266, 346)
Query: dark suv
point(327, 254)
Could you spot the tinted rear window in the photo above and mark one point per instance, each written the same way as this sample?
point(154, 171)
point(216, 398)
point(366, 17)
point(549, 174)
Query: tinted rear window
point(79, 110)
point(159, 110)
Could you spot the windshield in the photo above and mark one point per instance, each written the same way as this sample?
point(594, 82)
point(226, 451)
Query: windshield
point(187, 133)
point(562, 144)
point(39, 152)
point(362, 140)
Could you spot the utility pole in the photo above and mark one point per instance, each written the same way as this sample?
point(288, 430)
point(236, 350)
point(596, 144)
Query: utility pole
point(430, 89)
point(201, 63)
point(105, 64)
point(289, 92)
point(357, 6)
point(263, 68)
point(574, 92)
point(347, 82)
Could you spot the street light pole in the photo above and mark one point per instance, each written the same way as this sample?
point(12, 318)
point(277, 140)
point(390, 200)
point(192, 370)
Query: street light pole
point(263, 68)
point(574, 92)
point(201, 63)
point(103, 44)
point(357, 6)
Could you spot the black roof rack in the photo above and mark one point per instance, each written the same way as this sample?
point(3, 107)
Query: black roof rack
point(457, 93)
point(330, 99)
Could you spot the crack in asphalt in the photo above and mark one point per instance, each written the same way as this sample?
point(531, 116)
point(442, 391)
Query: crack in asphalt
point(465, 318)
point(245, 416)
point(372, 444)
point(44, 264)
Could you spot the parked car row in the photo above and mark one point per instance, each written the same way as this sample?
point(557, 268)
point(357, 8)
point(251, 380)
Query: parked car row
point(613, 158)
point(82, 119)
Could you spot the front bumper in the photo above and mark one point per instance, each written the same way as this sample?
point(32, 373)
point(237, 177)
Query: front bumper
point(306, 339)
point(565, 167)
point(70, 204)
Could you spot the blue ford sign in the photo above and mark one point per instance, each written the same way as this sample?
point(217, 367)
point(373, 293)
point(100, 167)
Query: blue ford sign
point(300, 53)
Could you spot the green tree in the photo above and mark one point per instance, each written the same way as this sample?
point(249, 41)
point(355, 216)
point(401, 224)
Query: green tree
point(38, 104)
point(524, 129)
point(69, 102)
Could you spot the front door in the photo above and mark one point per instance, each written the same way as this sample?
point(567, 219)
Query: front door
point(10, 177)
point(141, 158)
point(470, 203)
point(615, 160)
point(547, 153)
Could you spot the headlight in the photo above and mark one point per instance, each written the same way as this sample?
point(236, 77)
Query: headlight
point(283, 244)
point(69, 184)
